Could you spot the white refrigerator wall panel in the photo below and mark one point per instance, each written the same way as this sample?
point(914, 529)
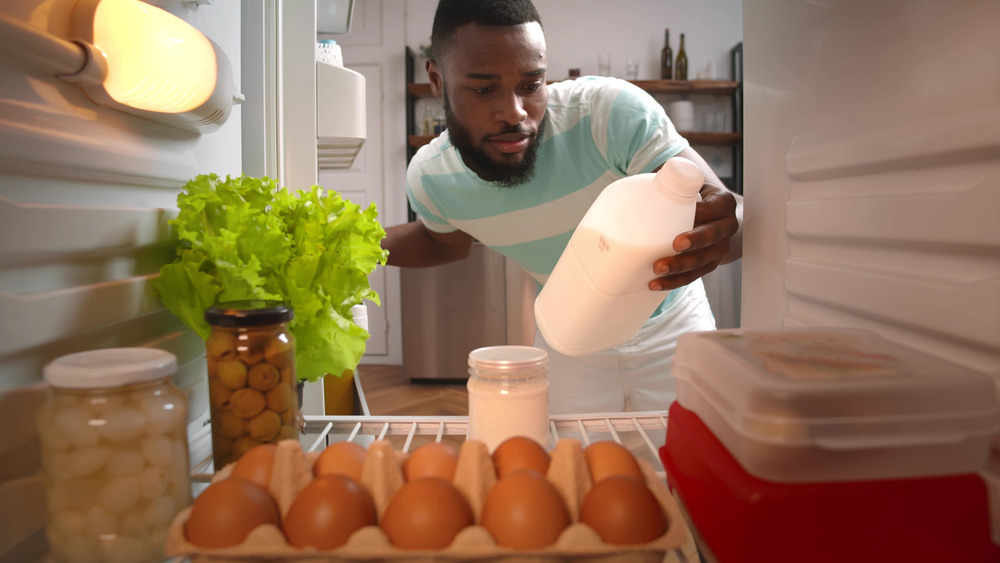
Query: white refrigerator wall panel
point(85, 196)
point(873, 171)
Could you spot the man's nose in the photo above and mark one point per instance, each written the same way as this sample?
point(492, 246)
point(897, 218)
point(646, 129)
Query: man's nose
point(511, 109)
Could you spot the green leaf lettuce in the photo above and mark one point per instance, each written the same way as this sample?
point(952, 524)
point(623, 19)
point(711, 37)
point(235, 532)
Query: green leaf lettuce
point(244, 238)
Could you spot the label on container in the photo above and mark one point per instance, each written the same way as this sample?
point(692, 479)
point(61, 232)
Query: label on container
point(814, 355)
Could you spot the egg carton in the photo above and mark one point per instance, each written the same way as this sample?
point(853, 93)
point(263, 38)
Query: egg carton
point(474, 475)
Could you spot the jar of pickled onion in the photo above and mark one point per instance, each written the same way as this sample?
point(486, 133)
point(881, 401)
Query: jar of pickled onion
point(114, 444)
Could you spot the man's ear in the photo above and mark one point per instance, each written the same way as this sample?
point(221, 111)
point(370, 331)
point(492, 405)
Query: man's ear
point(436, 78)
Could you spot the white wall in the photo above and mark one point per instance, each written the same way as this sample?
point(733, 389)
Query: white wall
point(576, 30)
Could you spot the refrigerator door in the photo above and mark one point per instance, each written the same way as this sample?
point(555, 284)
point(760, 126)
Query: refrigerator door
point(450, 310)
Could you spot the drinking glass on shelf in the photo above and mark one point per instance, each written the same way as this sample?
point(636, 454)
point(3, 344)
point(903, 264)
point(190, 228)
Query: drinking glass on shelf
point(604, 63)
point(632, 68)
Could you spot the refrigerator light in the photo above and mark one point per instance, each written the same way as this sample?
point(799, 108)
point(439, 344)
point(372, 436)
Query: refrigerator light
point(143, 46)
point(134, 58)
point(157, 65)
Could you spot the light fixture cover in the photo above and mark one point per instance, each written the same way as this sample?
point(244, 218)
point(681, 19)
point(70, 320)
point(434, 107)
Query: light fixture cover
point(158, 66)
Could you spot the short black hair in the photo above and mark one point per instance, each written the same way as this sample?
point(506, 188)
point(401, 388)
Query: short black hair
point(452, 14)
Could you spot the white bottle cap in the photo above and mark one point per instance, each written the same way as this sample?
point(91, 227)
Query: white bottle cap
point(679, 177)
point(109, 367)
point(360, 314)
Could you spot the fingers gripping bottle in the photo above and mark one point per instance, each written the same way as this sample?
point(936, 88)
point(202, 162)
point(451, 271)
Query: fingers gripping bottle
point(598, 295)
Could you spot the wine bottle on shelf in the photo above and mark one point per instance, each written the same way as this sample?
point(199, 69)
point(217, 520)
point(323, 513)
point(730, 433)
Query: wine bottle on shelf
point(666, 58)
point(681, 68)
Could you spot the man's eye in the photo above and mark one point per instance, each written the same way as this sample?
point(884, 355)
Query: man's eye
point(533, 87)
point(485, 90)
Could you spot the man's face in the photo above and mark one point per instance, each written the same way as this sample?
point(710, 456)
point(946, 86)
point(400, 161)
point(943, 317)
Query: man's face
point(492, 80)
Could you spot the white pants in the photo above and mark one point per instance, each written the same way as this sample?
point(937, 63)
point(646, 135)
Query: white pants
point(635, 375)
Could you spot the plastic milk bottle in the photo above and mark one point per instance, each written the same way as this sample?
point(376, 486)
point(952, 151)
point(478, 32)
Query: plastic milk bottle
point(598, 294)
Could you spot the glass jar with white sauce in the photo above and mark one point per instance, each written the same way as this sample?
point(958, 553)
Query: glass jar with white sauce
point(508, 394)
point(114, 454)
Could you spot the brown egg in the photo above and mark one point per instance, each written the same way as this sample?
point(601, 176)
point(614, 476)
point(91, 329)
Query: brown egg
point(523, 510)
point(426, 513)
point(341, 458)
point(327, 511)
point(433, 459)
point(520, 452)
point(608, 458)
point(255, 465)
point(225, 512)
point(622, 510)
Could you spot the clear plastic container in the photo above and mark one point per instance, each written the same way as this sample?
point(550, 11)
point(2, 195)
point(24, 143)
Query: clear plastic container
point(814, 405)
point(114, 454)
point(252, 387)
point(598, 294)
point(508, 394)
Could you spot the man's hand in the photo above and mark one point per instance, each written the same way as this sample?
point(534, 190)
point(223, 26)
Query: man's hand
point(715, 239)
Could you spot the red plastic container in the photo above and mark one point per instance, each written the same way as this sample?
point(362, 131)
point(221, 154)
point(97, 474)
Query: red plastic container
point(744, 519)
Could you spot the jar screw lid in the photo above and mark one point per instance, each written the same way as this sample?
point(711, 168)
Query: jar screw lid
point(109, 367)
point(508, 358)
point(235, 314)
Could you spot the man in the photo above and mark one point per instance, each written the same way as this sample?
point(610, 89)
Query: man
point(518, 167)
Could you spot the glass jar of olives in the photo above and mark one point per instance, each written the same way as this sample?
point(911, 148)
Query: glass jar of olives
point(251, 377)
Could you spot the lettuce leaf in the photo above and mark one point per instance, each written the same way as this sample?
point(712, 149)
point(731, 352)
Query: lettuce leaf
point(244, 238)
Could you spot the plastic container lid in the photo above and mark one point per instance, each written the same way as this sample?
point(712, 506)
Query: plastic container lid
point(111, 367)
point(821, 404)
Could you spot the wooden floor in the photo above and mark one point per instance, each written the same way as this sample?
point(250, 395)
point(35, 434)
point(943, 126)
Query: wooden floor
point(389, 392)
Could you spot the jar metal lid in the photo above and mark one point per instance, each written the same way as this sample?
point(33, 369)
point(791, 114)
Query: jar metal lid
point(258, 312)
point(110, 367)
point(508, 358)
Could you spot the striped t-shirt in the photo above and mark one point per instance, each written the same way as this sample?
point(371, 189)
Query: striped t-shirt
point(599, 130)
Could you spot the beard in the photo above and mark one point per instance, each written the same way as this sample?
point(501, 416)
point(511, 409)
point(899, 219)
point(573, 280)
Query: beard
point(501, 173)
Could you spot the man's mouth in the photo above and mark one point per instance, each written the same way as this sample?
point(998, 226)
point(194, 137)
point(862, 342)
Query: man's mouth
point(510, 143)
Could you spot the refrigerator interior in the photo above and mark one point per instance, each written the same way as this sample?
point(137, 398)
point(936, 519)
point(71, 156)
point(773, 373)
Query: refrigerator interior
point(872, 136)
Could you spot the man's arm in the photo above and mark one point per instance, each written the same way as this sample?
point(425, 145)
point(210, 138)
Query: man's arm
point(413, 245)
point(717, 237)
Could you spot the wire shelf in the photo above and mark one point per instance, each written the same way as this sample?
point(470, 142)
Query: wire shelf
point(641, 432)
